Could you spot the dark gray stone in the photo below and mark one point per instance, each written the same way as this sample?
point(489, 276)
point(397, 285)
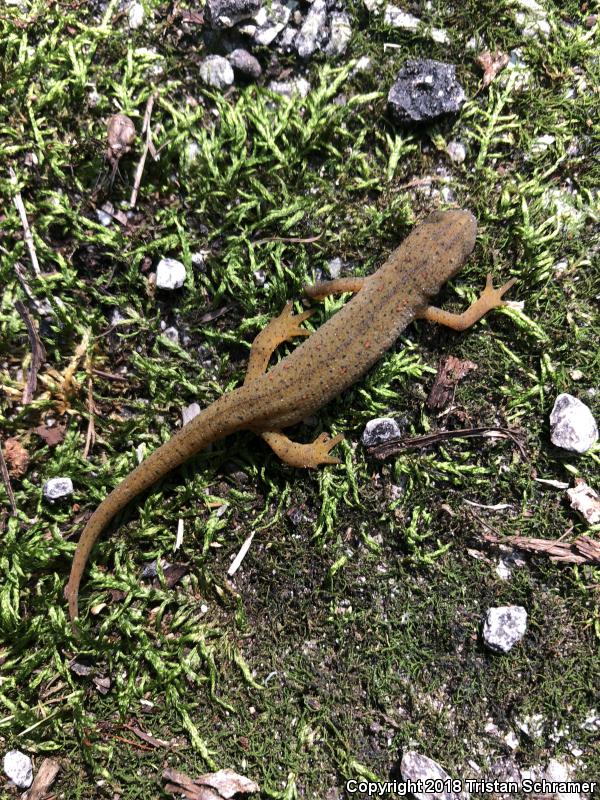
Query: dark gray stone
point(314, 30)
point(57, 489)
point(572, 425)
point(425, 90)
point(503, 627)
point(382, 429)
point(245, 63)
point(226, 13)
point(216, 71)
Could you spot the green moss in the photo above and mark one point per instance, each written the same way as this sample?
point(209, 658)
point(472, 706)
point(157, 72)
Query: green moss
point(351, 631)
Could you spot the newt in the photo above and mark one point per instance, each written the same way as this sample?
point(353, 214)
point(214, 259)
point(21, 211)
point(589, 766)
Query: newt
point(327, 362)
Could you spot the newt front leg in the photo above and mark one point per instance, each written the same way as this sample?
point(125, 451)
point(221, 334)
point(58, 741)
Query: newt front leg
point(490, 298)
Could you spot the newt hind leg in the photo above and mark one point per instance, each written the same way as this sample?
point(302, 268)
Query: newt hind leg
point(280, 329)
point(303, 455)
point(283, 329)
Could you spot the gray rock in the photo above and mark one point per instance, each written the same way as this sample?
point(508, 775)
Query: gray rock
point(334, 267)
point(420, 770)
point(457, 152)
point(18, 767)
point(245, 63)
point(313, 31)
point(340, 33)
point(170, 273)
point(504, 626)
point(270, 22)
point(285, 43)
point(226, 13)
point(362, 65)
point(298, 86)
point(172, 334)
point(380, 430)
point(396, 18)
point(425, 90)
point(198, 261)
point(189, 412)
point(506, 769)
point(57, 488)
point(560, 772)
point(135, 15)
point(216, 71)
point(572, 425)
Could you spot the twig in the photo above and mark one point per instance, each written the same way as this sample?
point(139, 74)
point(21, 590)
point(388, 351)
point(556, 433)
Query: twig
point(90, 437)
point(41, 306)
point(583, 550)
point(236, 563)
point(292, 239)
point(6, 481)
point(394, 446)
point(38, 354)
point(27, 235)
point(424, 181)
point(110, 376)
point(148, 146)
point(45, 777)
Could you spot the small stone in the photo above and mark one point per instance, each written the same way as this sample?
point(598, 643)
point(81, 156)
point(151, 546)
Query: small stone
point(216, 71)
point(504, 626)
point(456, 151)
point(572, 425)
point(57, 489)
point(340, 33)
point(245, 63)
point(334, 267)
point(104, 214)
point(18, 767)
point(226, 13)
point(448, 194)
point(374, 6)
point(298, 86)
point(198, 261)
point(560, 267)
point(542, 143)
point(506, 769)
point(511, 740)
point(135, 15)
point(285, 43)
point(313, 31)
point(270, 22)
point(172, 334)
point(558, 772)
point(192, 151)
point(531, 725)
point(586, 501)
point(516, 70)
point(533, 19)
point(421, 770)
point(380, 430)
point(189, 412)
point(362, 65)
point(425, 90)
point(439, 36)
point(503, 570)
point(397, 18)
point(592, 722)
point(170, 273)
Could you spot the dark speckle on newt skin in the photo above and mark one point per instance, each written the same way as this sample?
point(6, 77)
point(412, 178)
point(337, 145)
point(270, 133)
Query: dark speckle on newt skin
point(327, 362)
